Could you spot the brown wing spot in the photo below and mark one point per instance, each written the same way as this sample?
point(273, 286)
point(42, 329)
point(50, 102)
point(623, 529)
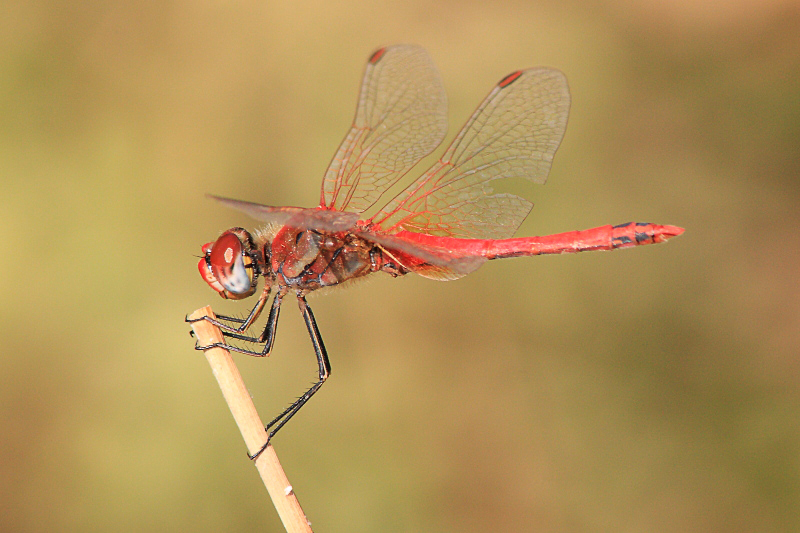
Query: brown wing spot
point(377, 55)
point(508, 80)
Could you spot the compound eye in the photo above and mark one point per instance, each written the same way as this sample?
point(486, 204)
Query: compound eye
point(230, 265)
point(205, 270)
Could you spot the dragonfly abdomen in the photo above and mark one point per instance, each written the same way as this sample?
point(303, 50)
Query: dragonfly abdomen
point(600, 238)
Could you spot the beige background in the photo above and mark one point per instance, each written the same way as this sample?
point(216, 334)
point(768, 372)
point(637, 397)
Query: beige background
point(646, 390)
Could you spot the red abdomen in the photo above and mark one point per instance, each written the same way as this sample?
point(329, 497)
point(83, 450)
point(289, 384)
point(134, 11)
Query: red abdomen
point(601, 238)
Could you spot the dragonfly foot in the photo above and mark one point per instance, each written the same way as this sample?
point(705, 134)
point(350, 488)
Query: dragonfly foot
point(215, 345)
point(259, 452)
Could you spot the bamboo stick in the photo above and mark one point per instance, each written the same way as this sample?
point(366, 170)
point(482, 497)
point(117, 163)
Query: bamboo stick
point(252, 429)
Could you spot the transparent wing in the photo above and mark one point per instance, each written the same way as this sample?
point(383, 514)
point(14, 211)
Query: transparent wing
point(401, 117)
point(514, 133)
point(308, 218)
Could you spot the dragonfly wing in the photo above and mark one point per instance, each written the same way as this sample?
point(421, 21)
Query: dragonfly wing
point(514, 133)
point(401, 117)
point(429, 261)
point(322, 220)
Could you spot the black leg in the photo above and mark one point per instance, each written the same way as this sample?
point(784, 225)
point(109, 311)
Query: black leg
point(267, 337)
point(324, 371)
point(243, 323)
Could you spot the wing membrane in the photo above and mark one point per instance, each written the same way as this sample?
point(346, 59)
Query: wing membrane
point(515, 132)
point(310, 218)
point(401, 117)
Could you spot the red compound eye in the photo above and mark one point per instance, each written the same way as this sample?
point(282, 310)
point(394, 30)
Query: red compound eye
point(224, 254)
point(229, 273)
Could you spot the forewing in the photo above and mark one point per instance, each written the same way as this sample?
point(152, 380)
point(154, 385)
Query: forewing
point(514, 133)
point(307, 218)
point(401, 117)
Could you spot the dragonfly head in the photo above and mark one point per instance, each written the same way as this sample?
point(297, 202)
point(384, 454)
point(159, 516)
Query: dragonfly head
point(230, 265)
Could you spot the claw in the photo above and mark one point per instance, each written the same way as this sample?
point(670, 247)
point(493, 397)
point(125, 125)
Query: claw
point(204, 348)
point(259, 452)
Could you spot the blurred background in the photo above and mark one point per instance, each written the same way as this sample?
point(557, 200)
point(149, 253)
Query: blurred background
point(652, 390)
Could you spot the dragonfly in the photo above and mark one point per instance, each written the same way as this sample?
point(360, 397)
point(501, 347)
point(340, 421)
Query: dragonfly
point(443, 226)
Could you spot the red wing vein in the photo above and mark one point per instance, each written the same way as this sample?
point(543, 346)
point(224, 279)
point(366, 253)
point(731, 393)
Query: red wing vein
point(400, 118)
point(513, 133)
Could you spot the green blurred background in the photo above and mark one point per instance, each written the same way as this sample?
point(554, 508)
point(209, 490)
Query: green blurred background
point(648, 390)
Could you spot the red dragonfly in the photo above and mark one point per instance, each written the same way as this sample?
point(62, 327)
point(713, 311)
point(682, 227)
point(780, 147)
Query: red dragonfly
point(443, 226)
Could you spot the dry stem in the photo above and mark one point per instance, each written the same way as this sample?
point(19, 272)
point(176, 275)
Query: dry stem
point(246, 417)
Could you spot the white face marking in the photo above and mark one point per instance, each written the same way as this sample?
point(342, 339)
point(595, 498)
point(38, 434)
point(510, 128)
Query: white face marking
point(237, 280)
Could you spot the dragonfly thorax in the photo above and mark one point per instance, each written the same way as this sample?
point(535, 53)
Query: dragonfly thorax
point(309, 259)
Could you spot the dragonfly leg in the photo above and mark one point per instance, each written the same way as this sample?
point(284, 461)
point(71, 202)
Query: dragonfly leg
point(267, 337)
point(324, 371)
point(244, 323)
